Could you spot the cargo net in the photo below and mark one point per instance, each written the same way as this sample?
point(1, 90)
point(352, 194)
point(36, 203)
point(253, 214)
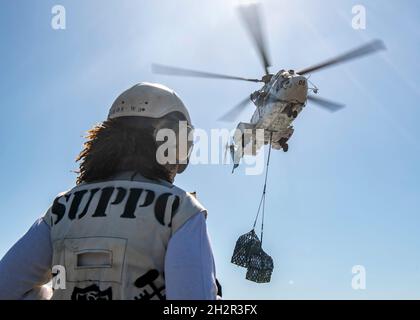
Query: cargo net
point(260, 266)
point(243, 248)
point(248, 252)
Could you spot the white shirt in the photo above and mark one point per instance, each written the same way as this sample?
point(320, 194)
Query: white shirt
point(189, 264)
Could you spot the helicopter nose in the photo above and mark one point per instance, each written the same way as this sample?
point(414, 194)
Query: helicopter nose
point(300, 81)
point(299, 88)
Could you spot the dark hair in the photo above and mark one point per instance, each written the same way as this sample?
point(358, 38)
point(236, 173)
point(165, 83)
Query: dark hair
point(118, 145)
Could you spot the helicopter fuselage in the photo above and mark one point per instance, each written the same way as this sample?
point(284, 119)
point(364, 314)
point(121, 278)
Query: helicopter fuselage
point(278, 104)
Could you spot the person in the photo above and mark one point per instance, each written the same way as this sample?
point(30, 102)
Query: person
point(125, 231)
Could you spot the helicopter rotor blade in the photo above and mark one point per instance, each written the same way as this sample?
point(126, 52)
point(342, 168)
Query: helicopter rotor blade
point(232, 114)
point(371, 47)
point(251, 18)
point(326, 104)
point(174, 71)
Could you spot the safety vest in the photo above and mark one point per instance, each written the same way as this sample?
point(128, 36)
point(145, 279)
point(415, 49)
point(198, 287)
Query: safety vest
point(111, 237)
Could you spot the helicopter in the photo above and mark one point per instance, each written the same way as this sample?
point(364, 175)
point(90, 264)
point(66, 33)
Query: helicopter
point(282, 97)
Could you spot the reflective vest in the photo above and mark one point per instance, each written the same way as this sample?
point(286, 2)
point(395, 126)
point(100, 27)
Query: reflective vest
point(111, 238)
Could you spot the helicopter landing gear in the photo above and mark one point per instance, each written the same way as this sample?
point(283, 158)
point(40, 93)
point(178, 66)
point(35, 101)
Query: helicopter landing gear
point(289, 112)
point(283, 144)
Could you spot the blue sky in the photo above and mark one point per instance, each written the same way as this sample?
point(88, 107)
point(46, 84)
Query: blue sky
point(346, 194)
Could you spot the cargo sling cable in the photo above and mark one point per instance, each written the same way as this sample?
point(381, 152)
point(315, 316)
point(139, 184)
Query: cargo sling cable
point(248, 252)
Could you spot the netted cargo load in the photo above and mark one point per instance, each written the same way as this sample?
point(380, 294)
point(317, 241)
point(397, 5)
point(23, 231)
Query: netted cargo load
point(243, 248)
point(260, 266)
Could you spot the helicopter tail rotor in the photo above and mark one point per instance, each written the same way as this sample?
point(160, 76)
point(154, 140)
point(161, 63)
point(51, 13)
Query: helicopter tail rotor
point(225, 154)
point(231, 148)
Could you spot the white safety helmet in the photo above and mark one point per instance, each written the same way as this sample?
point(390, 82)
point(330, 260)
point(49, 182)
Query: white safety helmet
point(151, 100)
point(148, 100)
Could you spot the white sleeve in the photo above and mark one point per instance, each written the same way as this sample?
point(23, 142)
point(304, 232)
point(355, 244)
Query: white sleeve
point(26, 267)
point(189, 264)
